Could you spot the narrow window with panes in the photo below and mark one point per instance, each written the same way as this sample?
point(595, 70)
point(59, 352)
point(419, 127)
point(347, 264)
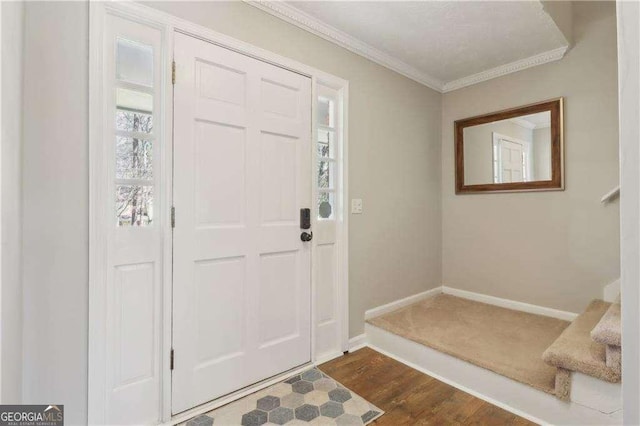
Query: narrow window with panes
point(134, 133)
point(327, 156)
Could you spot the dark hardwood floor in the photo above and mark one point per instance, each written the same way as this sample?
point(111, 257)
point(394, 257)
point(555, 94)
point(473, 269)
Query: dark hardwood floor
point(410, 397)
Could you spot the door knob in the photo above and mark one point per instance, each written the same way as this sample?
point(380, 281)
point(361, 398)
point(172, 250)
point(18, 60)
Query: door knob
point(306, 236)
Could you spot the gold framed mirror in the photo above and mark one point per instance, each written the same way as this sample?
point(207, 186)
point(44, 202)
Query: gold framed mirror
point(519, 149)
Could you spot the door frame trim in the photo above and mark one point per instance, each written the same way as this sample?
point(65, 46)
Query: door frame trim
point(97, 243)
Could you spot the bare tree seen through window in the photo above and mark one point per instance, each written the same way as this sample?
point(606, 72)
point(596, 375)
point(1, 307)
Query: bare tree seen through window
point(134, 160)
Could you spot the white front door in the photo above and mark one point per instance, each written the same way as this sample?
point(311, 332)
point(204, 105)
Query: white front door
point(242, 172)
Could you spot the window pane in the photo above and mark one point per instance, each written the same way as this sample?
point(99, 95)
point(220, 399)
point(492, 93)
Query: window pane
point(134, 62)
point(325, 175)
point(134, 158)
point(134, 121)
point(134, 101)
point(325, 205)
point(325, 143)
point(326, 112)
point(134, 205)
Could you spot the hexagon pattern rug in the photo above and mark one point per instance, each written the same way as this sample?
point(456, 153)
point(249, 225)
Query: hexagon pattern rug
point(308, 398)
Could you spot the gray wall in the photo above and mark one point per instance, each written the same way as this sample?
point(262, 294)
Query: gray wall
point(11, 321)
point(555, 249)
point(55, 208)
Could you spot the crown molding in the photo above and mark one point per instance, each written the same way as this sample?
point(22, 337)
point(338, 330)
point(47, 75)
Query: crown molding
point(302, 20)
point(295, 16)
point(522, 64)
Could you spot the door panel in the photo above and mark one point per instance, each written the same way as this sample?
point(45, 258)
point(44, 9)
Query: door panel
point(241, 173)
point(511, 161)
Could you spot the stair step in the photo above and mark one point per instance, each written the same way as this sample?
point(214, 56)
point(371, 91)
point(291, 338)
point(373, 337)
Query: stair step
point(608, 330)
point(575, 350)
point(614, 358)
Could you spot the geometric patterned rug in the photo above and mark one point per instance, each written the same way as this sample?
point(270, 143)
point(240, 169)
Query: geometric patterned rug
point(311, 397)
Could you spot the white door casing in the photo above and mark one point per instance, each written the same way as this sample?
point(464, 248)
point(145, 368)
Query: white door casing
point(513, 160)
point(241, 279)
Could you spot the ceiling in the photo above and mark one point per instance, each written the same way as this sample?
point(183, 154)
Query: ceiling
point(442, 44)
point(541, 120)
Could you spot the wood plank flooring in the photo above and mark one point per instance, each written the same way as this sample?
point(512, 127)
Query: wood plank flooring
point(410, 397)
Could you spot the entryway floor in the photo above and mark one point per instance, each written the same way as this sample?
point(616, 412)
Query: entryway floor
point(410, 397)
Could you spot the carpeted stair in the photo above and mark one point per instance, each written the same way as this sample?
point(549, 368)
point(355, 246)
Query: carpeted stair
point(536, 350)
point(608, 332)
point(589, 345)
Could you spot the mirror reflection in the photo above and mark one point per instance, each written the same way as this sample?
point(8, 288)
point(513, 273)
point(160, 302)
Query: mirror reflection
point(512, 150)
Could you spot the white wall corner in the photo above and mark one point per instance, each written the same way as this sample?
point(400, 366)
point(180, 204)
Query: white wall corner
point(357, 342)
point(611, 291)
point(562, 14)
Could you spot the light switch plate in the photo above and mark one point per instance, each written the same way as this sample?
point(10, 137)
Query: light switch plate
point(356, 206)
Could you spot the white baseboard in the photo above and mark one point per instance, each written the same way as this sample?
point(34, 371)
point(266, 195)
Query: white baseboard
point(515, 397)
point(594, 393)
point(389, 307)
point(478, 297)
point(510, 304)
point(326, 357)
point(357, 342)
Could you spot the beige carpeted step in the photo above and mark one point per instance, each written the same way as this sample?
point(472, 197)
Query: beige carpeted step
point(608, 330)
point(614, 358)
point(502, 340)
point(574, 349)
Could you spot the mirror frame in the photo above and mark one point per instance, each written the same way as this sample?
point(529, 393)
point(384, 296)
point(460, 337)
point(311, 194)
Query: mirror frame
point(555, 106)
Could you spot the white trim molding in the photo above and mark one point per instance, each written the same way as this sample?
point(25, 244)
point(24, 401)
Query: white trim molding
point(628, 29)
point(308, 23)
point(478, 297)
point(296, 17)
point(510, 304)
point(522, 64)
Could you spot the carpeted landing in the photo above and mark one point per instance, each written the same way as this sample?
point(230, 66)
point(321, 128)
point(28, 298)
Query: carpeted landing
point(507, 342)
point(308, 398)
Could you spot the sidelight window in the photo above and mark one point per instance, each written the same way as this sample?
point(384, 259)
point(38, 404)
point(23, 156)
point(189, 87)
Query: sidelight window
point(134, 134)
point(326, 153)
